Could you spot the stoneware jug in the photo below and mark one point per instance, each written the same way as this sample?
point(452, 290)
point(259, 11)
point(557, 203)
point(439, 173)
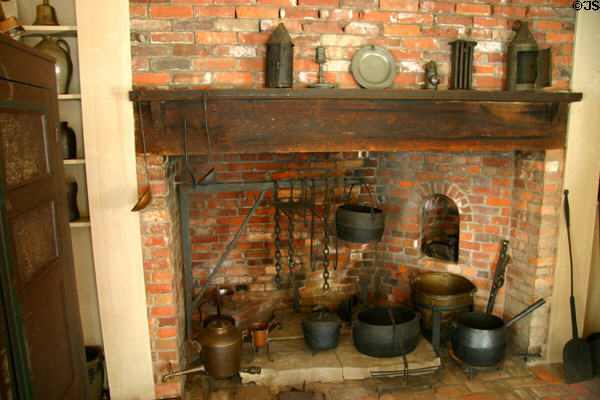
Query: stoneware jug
point(69, 141)
point(63, 66)
point(71, 191)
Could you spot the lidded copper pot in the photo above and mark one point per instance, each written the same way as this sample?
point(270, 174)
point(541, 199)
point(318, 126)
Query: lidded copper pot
point(221, 351)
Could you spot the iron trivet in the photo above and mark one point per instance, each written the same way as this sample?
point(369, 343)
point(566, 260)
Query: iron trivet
point(471, 367)
point(400, 379)
point(237, 379)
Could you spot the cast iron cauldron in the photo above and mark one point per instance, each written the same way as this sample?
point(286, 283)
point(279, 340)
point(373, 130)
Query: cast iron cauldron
point(480, 339)
point(375, 335)
point(321, 330)
point(359, 224)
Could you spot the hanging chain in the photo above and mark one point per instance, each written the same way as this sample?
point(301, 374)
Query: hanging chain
point(335, 265)
point(312, 225)
point(291, 251)
point(277, 248)
point(277, 230)
point(326, 237)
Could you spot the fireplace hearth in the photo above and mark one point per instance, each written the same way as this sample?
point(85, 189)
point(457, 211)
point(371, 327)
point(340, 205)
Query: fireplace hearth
point(495, 159)
point(497, 195)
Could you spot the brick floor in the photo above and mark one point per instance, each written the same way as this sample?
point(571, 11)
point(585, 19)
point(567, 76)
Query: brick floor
point(515, 381)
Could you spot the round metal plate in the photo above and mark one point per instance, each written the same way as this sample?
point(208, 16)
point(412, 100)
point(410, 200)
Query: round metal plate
point(373, 67)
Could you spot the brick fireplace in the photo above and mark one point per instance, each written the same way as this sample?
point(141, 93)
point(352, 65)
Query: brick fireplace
point(513, 195)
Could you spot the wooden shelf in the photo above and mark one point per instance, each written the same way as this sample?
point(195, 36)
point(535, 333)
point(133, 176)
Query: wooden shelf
point(330, 120)
point(54, 30)
point(69, 96)
point(356, 94)
point(74, 161)
point(81, 222)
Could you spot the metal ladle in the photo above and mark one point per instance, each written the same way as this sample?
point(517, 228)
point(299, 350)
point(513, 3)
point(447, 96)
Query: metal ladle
point(146, 197)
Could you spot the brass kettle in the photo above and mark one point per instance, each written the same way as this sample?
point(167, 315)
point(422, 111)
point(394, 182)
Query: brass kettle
point(221, 351)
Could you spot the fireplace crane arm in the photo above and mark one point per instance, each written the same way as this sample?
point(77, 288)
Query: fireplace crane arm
point(230, 247)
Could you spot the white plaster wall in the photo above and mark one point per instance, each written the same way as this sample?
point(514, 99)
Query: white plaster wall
point(105, 67)
point(592, 316)
point(582, 168)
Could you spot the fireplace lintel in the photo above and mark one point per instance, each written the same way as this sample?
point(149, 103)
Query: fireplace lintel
point(317, 120)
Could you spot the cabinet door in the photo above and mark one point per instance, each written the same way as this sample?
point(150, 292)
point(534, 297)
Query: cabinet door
point(40, 262)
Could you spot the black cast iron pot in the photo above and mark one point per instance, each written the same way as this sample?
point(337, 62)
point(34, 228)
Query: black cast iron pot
point(376, 335)
point(359, 224)
point(321, 330)
point(480, 339)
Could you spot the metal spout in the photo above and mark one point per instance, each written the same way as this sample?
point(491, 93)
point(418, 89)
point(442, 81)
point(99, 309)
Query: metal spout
point(171, 374)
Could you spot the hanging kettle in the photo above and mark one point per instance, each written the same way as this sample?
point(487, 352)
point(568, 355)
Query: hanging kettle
point(63, 66)
point(357, 223)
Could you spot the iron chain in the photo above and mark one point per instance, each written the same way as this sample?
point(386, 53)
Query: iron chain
point(291, 251)
point(326, 239)
point(277, 248)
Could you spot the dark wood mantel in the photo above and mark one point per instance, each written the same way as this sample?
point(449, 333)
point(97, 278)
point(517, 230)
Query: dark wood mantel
point(317, 120)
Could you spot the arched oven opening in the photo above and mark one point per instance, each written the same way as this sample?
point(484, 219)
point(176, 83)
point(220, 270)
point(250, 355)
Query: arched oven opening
point(439, 228)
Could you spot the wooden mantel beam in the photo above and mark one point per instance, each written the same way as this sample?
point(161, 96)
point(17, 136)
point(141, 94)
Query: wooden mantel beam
point(321, 120)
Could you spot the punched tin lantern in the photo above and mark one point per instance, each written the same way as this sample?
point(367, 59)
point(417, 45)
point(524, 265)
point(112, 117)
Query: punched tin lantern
point(280, 59)
point(526, 66)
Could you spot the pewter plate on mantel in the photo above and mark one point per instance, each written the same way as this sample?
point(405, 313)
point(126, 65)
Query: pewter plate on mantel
point(373, 67)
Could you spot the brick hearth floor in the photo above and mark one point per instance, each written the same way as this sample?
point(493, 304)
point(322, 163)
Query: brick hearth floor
point(516, 380)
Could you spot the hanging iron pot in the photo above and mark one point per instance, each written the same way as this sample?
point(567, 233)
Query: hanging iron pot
point(357, 223)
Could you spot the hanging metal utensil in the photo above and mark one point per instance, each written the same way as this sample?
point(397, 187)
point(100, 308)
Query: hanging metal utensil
point(210, 175)
point(326, 237)
point(187, 158)
point(498, 280)
point(146, 197)
point(312, 225)
point(277, 231)
point(335, 265)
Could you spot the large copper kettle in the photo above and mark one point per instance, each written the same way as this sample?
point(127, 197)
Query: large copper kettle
point(220, 348)
point(221, 351)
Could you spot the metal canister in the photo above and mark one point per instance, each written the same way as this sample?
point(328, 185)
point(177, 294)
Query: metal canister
point(221, 348)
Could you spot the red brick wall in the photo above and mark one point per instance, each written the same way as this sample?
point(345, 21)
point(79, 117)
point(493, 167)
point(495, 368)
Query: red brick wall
point(221, 43)
point(535, 216)
point(216, 217)
point(163, 271)
point(499, 195)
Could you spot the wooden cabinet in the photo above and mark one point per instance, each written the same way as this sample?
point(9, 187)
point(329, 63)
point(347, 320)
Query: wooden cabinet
point(113, 287)
point(69, 106)
point(41, 332)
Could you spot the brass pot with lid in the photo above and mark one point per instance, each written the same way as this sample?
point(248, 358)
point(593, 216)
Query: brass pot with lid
point(221, 351)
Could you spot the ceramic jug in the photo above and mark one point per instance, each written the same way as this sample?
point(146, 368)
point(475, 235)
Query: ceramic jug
point(69, 141)
point(71, 191)
point(63, 66)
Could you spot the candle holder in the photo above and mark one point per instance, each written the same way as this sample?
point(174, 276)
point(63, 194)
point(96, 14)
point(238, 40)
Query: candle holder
point(320, 59)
